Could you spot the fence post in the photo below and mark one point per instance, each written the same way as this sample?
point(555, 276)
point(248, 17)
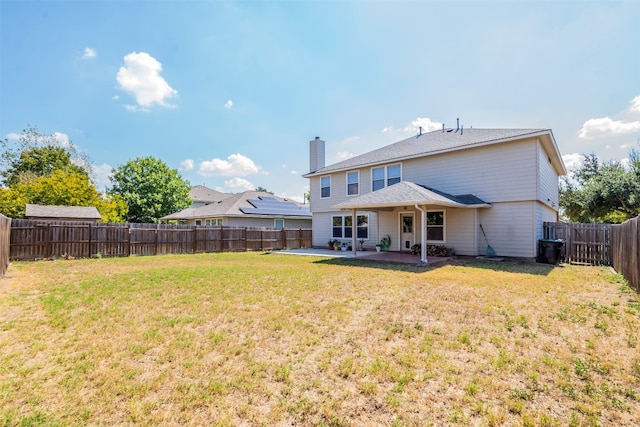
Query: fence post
point(90, 232)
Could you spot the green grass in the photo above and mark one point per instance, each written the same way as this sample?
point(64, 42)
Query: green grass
point(271, 339)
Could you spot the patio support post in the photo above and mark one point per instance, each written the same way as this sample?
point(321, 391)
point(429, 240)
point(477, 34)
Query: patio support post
point(423, 235)
point(353, 231)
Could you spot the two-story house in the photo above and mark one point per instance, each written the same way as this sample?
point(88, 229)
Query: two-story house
point(439, 188)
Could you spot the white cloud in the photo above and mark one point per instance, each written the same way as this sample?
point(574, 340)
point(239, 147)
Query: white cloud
point(12, 136)
point(236, 164)
point(239, 184)
point(387, 129)
point(572, 161)
point(141, 78)
point(606, 126)
point(594, 128)
point(228, 105)
point(344, 155)
point(102, 173)
point(427, 125)
point(294, 172)
point(62, 139)
point(187, 164)
point(89, 53)
point(635, 105)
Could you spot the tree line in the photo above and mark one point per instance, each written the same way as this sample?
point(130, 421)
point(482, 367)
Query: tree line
point(39, 169)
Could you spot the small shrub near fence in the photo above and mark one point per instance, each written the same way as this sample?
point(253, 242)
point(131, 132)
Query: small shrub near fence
point(31, 240)
point(625, 239)
point(5, 234)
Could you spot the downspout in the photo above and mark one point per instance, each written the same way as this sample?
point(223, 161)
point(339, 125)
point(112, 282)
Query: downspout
point(423, 235)
point(353, 232)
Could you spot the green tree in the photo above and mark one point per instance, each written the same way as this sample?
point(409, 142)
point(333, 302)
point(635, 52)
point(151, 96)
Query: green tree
point(602, 192)
point(264, 190)
point(37, 155)
point(150, 189)
point(61, 188)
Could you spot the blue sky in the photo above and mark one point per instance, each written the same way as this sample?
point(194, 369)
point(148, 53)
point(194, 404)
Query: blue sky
point(230, 93)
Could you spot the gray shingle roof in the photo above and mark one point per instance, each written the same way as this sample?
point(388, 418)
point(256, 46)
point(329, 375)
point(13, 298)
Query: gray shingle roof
point(200, 193)
point(408, 194)
point(50, 211)
point(431, 143)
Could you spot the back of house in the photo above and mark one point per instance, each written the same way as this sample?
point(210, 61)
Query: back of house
point(439, 188)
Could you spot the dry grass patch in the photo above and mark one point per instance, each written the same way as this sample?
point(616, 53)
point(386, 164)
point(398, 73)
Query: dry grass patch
point(269, 339)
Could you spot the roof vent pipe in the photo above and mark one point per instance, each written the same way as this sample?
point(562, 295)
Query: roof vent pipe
point(457, 125)
point(420, 131)
point(443, 128)
point(461, 129)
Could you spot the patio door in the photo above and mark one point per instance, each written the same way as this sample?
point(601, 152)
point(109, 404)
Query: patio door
point(406, 231)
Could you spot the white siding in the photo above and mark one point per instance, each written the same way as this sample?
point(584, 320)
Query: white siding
point(461, 231)
point(548, 184)
point(495, 173)
point(510, 229)
point(544, 214)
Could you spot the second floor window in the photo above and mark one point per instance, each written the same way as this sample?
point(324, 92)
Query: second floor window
point(325, 187)
point(352, 183)
point(385, 176)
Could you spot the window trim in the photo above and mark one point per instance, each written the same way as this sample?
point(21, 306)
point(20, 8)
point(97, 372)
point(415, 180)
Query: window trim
point(444, 226)
point(329, 187)
point(385, 169)
point(216, 222)
point(357, 183)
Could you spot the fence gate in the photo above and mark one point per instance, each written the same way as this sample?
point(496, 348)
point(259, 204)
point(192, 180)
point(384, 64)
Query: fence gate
point(588, 244)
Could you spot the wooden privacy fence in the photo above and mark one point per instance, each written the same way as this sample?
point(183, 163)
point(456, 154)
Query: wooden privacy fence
point(588, 244)
point(31, 240)
point(625, 253)
point(5, 233)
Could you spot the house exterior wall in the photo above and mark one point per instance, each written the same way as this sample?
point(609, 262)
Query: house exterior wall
point(257, 222)
point(516, 178)
point(494, 173)
point(510, 229)
point(548, 180)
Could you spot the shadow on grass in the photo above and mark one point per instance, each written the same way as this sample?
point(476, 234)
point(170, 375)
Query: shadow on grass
point(507, 265)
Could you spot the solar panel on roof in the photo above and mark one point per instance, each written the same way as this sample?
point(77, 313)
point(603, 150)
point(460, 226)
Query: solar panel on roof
point(272, 206)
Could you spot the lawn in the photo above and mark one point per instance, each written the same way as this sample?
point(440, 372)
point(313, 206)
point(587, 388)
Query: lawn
point(272, 339)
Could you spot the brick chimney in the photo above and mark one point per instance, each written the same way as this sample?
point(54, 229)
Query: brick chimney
point(316, 154)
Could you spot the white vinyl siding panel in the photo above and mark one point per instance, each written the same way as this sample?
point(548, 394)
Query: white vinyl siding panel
point(495, 173)
point(548, 179)
point(461, 232)
point(510, 229)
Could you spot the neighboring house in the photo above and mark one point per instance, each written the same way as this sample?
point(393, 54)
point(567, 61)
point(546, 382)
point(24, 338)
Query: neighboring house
point(202, 196)
point(62, 213)
point(438, 188)
point(248, 209)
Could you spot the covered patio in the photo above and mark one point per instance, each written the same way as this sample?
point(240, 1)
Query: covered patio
point(408, 194)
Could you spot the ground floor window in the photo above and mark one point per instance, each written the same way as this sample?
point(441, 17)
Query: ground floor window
point(215, 221)
point(278, 223)
point(435, 226)
point(342, 227)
